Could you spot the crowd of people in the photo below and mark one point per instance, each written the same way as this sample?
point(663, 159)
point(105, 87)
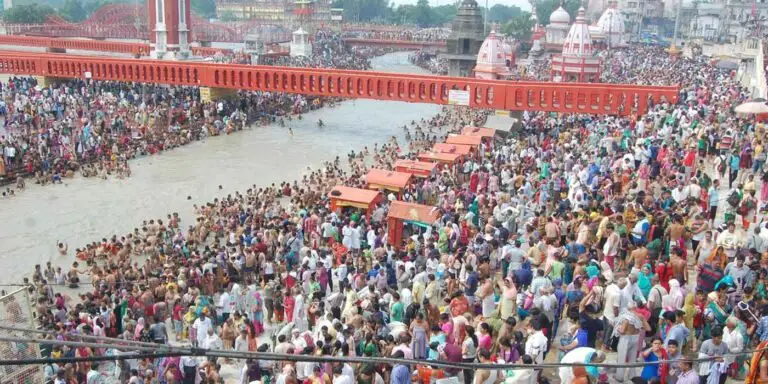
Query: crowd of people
point(429, 61)
point(406, 34)
point(573, 238)
point(94, 128)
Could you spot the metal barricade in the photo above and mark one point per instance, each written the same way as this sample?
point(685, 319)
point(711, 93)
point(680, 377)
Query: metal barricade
point(16, 311)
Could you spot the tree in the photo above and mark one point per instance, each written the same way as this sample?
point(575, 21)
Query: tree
point(72, 10)
point(423, 13)
point(519, 27)
point(205, 8)
point(444, 14)
point(28, 14)
point(227, 16)
point(546, 7)
point(404, 14)
point(364, 10)
point(501, 13)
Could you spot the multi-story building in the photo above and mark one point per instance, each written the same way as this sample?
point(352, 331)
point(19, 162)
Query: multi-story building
point(285, 12)
point(635, 11)
point(728, 20)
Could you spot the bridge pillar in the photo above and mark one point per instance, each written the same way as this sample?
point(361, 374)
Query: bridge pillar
point(55, 50)
point(208, 94)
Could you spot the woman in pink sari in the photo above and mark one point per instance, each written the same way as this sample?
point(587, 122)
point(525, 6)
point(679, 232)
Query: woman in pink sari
point(764, 188)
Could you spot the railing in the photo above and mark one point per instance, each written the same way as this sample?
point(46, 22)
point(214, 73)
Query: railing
point(613, 99)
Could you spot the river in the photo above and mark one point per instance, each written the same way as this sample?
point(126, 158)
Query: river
point(84, 210)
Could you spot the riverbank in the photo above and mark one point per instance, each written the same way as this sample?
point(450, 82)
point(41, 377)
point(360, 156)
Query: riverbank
point(83, 210)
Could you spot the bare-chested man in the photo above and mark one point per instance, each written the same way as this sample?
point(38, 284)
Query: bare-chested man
point(679, 266)
point(675, 231)
point(638, 257)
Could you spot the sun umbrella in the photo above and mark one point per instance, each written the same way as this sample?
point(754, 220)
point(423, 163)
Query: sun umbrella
point(752, 107)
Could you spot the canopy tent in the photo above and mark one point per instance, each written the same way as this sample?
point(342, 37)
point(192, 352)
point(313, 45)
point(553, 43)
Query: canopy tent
point(464, 140)
point(401, 212)
point(443, 158)
point(479, 131)
point(416, 168)
point(753, 107)
point(342, 196)
point(465, 150)
point(389, 180)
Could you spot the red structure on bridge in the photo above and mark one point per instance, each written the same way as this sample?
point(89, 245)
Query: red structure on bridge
point(134, 49)
point(129, 21)
point(491, 94)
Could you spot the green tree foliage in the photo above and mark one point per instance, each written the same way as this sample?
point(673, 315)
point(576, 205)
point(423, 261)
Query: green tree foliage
point(519, 26)
point(404, 14)
point(364, 10)
point(423, 13)
point(73, 10)
point(28, 14)
point(444, 14)
point(546, 7)
point(227, 16)
point(205, 8)
point(501, 13)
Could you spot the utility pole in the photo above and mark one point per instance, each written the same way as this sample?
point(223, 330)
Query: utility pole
point(677, 22)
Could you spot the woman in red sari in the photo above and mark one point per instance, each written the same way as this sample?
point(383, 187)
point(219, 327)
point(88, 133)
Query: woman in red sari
point(459, 304)
point(664, 272)
point(288, 303)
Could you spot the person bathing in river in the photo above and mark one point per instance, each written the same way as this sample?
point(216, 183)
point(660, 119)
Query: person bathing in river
point(62, 247)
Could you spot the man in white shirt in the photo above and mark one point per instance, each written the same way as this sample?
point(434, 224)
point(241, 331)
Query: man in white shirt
point(536, 344)
point(612, 297)
point(213, 341)
point(733, 339)
point(657, 293)
point(339, 377)
point(730, 240)
point(224, 303)
point(201, 325)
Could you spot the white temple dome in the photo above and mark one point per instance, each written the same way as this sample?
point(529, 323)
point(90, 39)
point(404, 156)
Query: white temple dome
point(560, 16)
point(611, 22)
point(491, 56)
point(579, 41)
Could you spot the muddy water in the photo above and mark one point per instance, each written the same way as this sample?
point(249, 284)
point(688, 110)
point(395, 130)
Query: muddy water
point(85, 210)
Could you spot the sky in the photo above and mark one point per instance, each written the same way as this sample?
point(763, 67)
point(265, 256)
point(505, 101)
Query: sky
point(523, 4)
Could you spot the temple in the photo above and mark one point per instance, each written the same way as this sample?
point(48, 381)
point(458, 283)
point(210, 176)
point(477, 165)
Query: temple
point(557, 30)
point(465, 40)
point(494, 58)
point(611, 24)
point(578, 61)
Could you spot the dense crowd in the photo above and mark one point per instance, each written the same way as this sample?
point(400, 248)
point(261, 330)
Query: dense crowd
point(94, 127)
point(428, 34)
point(429, 62)
point(575, 238)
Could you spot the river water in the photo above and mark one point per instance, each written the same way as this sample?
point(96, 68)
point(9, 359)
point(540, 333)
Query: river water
point(84, 210)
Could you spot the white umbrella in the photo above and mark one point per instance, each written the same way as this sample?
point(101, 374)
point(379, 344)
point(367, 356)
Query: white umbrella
point(752, 107)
